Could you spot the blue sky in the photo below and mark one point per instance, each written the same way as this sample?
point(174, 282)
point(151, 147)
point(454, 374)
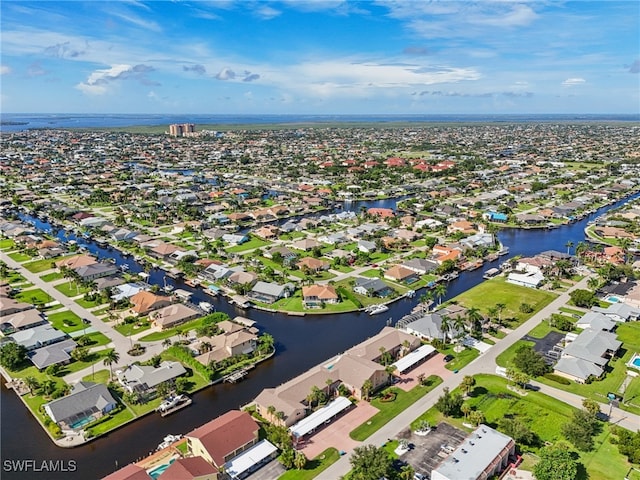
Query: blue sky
point(320, 57)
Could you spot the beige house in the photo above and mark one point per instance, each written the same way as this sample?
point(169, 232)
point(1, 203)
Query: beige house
point(287, 403)
point(173, 315)
point(315, 295)
point(145, 301)
point(235, 340)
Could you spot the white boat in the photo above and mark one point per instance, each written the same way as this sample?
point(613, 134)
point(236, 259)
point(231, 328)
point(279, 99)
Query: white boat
point(205, 306)
point(503, 251)
point(378, 309)
point(410, 294)
point(168, 441)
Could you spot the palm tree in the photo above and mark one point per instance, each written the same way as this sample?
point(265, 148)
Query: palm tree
point(467, 384)
point(492, 312)
point(445, 326)
point(459, 325)
point(426, 299)
point(581, 247)
point(465, 408)
point(299, 460)
point(500, 307)
point(593, 283)
point(32, 384)
point(166, 343)
point(271, 410)
point(109, 359)
point(474, 316)
point(569, 244)
point(440, 291)
point(367, 388)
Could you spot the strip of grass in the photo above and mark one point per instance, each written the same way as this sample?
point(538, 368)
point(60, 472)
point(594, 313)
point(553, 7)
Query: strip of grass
point(38, 266)
point(389, 410)
point(462, 359)
point(35, 296)
point(50, 277)
point(19, 257)
point(98, 339)
point(7, 244)
point(505, 359)
point(91, 303)
point(66, 321)
point(13, 277)
point(251, 244)
point(314, 467)
point(99, 376)
point(128, 329)
point(116, 420)
point(71, 289)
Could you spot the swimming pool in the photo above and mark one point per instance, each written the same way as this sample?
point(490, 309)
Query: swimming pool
point(613, 299)
point(159, 470)
point(635, 361)
point(81, 423)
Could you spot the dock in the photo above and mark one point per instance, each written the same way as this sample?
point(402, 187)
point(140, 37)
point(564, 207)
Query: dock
point(237, 376)
point(179, 406)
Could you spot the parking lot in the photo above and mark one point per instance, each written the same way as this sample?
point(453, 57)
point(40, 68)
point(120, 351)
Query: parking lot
point(428, 451)
point(433, 366)
point(546, 344)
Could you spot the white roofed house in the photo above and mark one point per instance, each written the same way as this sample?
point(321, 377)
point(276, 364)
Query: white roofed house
point(266, 292)
point(484, 454)
point(145, 378)
point(587, 355)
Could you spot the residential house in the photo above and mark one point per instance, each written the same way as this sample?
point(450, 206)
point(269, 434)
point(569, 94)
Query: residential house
point(87, 402)
point(240, 277)
point(587, 355)
point(145, 301)
point(55, 354)
point(420, 265)
point(267, 232)
point(372, 287)
point(366, 246)
point(163, 250)
point(461, 226)
point(306, 244)
point(267, 292)
point(76, 261)
point(21, 320)
point(596, 321)
point(314, 296)
point(527, 279)
point(130, 472)
point(223, 438)
point(399, 273)
point(381, 212)
point(145, 378)
point(234, 239)
point(478, 240)
point(429, 326)
point(234, 340)
point(36, 337)
point(312, 264)
point(89, 273)
point(619, 312)
point(172, 315)
point(191, 468)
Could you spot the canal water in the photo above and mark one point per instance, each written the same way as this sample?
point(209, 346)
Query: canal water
point(301, 342)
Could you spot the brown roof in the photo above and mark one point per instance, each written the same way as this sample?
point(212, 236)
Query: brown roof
point(188, 468)
point(323, 292)
point(76, 261)
point(144, 301)
point(130, 472)
point(225, 434)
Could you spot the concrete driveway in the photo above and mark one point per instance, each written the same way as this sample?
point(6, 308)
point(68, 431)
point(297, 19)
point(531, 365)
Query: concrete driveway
point(434, 366)
point(336, 434)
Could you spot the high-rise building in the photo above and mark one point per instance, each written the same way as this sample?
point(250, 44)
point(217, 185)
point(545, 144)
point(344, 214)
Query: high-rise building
point(181, 129)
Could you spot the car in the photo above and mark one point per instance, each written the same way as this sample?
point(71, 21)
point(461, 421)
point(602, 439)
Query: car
point(374, 265)
point(86, 321)
point(448, 358)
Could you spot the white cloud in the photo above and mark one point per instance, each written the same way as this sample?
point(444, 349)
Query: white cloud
point(267, 13)
point(5, 69)
point(572, 82)
point(98, 81)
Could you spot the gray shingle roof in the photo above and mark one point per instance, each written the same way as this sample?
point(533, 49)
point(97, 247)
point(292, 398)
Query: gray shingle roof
point(85, 398)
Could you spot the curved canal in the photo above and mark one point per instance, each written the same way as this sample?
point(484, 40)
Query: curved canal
point(301, 342)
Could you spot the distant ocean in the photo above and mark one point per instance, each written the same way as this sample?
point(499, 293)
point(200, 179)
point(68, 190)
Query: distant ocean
point(13, 122)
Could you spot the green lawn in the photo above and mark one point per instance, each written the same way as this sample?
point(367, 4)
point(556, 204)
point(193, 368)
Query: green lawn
point(506, 357)
point(98, 339)
point(251, 244)
point(90, 303)
point(66, 321)
point(185, 327)
point(461, 359)
point(71, 289)
point(19, 257)
point(7, 244)
point(497, 291)
point(114, 421)
point(93, 358)
point(544, 415)
point(13, 277)
point(38, 266)
point(50, 277)
point(133, 328)
point(314, 467)
point(34, 296)
point(388, 410)
point(99, 376)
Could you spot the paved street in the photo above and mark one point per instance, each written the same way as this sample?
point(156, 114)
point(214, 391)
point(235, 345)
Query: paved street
point(485, 363)
point(120, 342)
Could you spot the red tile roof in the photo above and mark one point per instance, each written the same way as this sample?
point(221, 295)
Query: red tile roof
point(130, 472)
point(225, 434)
point(188, 468)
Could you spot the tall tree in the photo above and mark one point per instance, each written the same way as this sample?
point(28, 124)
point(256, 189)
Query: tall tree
point(440, 290)
point(112, 357)
point(556, 463)
point(369, 462)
